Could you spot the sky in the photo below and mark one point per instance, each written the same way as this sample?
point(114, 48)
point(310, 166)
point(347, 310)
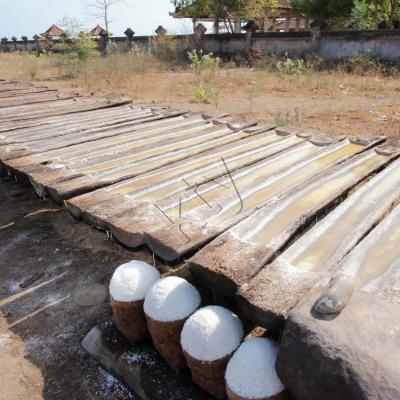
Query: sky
point(30, 17)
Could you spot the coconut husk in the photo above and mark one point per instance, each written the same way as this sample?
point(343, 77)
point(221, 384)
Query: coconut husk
point(129, 319)
point(233, 396)
point(209, 375)
point(166, 338)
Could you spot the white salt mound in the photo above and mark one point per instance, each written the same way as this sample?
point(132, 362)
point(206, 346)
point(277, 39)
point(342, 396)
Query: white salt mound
point(251, 371)
point(211, 333)
point(131, 281)
point(171, 299)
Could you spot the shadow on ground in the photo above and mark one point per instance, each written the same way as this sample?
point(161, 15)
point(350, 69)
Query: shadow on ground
point(44, 255)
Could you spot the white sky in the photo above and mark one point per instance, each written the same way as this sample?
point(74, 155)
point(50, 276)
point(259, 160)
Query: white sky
point(30, 17)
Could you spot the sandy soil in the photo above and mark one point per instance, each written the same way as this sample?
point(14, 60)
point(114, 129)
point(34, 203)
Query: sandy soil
point(360, 103)
point(349, 105)
point(44, 255)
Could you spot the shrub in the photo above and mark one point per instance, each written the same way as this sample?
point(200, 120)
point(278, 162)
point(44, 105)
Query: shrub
point(205, 94)
point(34, 64)
point(84, 46)
point(200, 62)
point(294, 66)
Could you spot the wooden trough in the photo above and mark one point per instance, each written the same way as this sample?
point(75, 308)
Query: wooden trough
point(263, 216)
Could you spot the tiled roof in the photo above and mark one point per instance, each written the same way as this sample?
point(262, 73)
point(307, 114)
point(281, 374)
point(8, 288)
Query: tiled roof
point(97, 31)
point(54, 30)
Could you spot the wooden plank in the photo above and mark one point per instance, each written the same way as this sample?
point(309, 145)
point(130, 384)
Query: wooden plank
point(91, 148)
point(25, 92)
point(152, 212)
point(265, 232)
point(186, 169)
point(65, 124)
point(201, 225)
point(314, 257)
point(66, 183)
point(145, 126)
point(11, 127)
point(373, 266)
point(177, 178)
point(12, 154)
point(42, 148)
point(89, 142)
point(78, 106)
point(41, 98)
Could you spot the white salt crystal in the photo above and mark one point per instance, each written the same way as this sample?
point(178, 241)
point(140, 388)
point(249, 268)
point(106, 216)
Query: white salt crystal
point(211, 333)
point(251, 371)
point(131, 281)
point(171, 299)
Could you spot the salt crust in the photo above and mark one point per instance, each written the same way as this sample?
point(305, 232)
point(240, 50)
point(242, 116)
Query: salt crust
point(171, 299)
point(251, 370)
point(131, 281)
point(211, 333)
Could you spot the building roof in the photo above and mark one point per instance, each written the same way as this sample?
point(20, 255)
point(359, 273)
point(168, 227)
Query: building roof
point(97, 31)
point(53, 31)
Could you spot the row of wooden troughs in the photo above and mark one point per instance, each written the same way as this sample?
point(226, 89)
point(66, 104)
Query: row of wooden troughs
point(261, 215)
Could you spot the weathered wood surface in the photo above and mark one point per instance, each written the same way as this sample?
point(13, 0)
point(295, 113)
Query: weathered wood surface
point(25, 112)
point(373, 266)
point(315, 256)
point(80, 177)
point(197, 226)
point(175, 180)
point(237, 193)
point(38, 149)
point(34, 98)
point(262, 234)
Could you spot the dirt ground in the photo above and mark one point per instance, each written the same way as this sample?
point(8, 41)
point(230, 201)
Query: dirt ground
point(365, 104)
point(44, 255)
point(346, 105)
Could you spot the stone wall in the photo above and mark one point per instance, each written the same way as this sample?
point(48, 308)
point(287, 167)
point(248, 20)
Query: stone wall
point(384, 44)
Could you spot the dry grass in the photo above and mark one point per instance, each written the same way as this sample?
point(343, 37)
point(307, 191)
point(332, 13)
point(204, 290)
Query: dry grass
point(333, 101)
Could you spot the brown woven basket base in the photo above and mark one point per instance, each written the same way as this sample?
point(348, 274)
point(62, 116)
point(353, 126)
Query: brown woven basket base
point(129, 319)
point(209, 375)
point(233, 396)
point(166, 338)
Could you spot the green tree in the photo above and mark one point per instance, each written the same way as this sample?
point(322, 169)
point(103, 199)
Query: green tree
point(225, 10)
point(369, 14)
point(330, 11)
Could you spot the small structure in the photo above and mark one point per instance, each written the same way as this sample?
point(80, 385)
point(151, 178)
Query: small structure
point(97, 32)
point(54, 32)
point(129, 33)
point(25, 42)
point(14, 40)
point(160, 31)
point(4, 44)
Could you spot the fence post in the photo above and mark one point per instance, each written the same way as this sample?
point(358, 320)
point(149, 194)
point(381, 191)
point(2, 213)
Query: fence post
point(250, 28)
point(160, 31)
point(4, 44)
point(25, 41)
point(14, 39)
point(316, 26)
point(199, 32)
point(129, 38)
point(103, 42)
point(38, 48)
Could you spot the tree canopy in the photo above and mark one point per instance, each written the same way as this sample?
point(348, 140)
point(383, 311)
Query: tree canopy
point(360, 14)
point(224, 10)
point(324, 9)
